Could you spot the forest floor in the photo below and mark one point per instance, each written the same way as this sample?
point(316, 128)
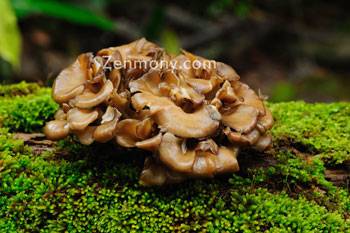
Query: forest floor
point(300, 185)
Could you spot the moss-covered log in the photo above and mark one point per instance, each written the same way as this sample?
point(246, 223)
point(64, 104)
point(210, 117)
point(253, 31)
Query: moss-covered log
point(57, 187)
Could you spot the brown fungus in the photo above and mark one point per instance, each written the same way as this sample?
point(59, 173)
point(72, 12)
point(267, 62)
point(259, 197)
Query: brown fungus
point(192, 114)
point(56, 129)
point(71, 81)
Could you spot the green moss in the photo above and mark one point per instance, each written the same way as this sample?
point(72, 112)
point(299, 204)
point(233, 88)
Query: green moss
point(27, 112)
point(291, 170)
point(21, 88)
point(95, 189)
point(48, 193)
point(323, 128)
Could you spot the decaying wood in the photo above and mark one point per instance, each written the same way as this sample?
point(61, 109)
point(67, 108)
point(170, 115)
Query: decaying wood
point(339, 177)
point(37, 141)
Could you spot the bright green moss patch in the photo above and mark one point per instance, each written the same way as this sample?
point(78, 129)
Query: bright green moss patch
point(324, 128)
point(27, 113)
point(100, 193)
point(291, 170)
point(76, 188)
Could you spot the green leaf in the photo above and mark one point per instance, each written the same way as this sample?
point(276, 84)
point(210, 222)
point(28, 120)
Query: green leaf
point(10, 39)
point(170, 41)
point(65, 11)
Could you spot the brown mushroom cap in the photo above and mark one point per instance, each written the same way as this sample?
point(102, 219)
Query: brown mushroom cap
point(208, 145)
point(198, 162)
point(151, 144)
point(226, 72)
point(130, 131)
point(200, 85)
point(65, 87)
point(265, 122)
point(185, 92)
point(249, 97)
point(149, 82)
point(79, 119)
point(126, 132)
point(120, 100)
point(226, 160)
point(225, 94)
point(243, 119)
point(152, 174)
point(263, 143)
point(110, 114)
point(155, 173)
point(106, 131)
point(89, 99)
point(204, 164)
point(170, 154)
point(242, 139)
point(86, 136)
point(56, 129)
point(144, 128)
point(187, 125)
point(60, 115)
point(168, 116)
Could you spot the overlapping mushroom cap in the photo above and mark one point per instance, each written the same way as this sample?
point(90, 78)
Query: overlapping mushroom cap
point(191, 113)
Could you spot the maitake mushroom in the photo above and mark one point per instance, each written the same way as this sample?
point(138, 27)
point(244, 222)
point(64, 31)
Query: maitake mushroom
point(192, 118)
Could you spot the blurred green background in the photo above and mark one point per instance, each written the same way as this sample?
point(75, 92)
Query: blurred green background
point(288, 49)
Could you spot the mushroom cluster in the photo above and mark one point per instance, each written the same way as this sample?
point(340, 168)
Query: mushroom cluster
point(191, 113)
